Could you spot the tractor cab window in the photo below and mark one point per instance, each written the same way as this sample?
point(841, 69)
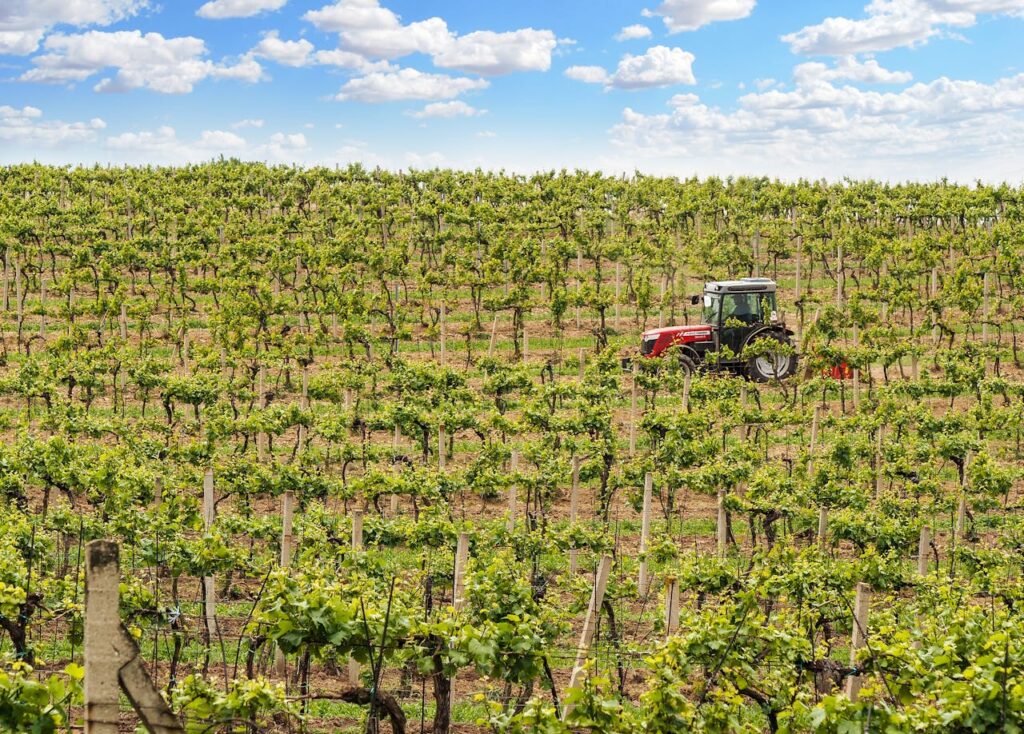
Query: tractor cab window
point(712, 309)
point(748, 308)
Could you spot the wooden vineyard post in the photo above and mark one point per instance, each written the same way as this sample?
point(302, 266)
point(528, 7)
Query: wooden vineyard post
point(459, 576)
point(861, 606)
point(722, 530)
point(209, 591)
point(112, 659)
point(574, 502)
point(357, 547)
point(671, 605)
point(124, 321)
point(579, 285)
point(687, 378)
point(923, 544)
point(856, 372)
point(823, 528)
point(442, 448)
point(287, 510)
point(512, 492)
point(494, 336)
point(102, 578)
point(582, 363)
point(839, 275)
point(645, 534)
point(815, 420)
point(526, 345)
point(444, 334)
point(934, 292)
point(632, 413)
point(604, 569)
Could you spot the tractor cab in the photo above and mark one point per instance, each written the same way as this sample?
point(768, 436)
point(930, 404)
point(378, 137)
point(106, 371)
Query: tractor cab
point(737, 308)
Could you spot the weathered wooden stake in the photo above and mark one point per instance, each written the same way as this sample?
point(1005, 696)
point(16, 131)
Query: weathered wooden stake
point(442, 448)
point(645, 533)
point(632, 413)
point(671, 605)
point(923, 544)
point(861, 606)
point(102, 578)
point(823, 527)
point(604, 569)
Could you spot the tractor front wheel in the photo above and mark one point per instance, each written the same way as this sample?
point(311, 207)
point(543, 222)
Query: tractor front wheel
point(687, 366)
point(772, 365)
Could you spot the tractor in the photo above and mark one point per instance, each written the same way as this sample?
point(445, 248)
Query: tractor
point(735, 313)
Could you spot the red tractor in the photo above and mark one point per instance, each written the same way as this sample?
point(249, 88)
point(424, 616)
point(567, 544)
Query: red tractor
point(735, 314)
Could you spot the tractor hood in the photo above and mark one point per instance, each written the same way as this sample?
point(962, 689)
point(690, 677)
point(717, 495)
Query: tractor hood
point(656, 341)
point(677, 330)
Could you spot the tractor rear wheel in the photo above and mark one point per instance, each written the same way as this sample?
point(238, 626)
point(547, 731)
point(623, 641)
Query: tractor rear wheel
point(773, 365)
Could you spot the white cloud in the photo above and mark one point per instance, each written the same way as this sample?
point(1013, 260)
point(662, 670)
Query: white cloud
point(893, 23)
point(455, 108)
point(163, 145)
point(289, 53)
point(369, 30)
point(250, 122)
point(25, 126)
point(944, 127)
point(848, 67)
point(659, 66)
point(587, 74)
point(407, 84)
point(218, 9)
point(487, 134)
point(433, 159)
point(490, 53)
point(768, 83)
point(23, 23)
point(150, 61)
point(633, 32)
point(689, 15)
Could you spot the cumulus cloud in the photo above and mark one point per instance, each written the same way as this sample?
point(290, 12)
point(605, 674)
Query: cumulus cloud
point(289, 53)
point(164, 145)
point(849, 68)
point(633, 32)
point(821, 129)
point(219, 9)
point(150, 61)
point(26, 126)
point(455, 108)
point(490, 53)
point(893, 23)
point(659, 66)
point(689, 15)
point(369, 30)
point(23, 23)
point(407, 84)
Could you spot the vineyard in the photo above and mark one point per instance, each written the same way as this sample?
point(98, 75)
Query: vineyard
point(371, 458)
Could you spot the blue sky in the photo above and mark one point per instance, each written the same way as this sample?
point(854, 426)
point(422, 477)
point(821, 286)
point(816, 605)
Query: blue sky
point(889, 89)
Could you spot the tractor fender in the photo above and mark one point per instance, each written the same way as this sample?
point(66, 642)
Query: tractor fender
point(691, 353)
point(765, 330)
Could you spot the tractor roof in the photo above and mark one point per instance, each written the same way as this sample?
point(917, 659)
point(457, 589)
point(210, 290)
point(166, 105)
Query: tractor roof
point(743, 285)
